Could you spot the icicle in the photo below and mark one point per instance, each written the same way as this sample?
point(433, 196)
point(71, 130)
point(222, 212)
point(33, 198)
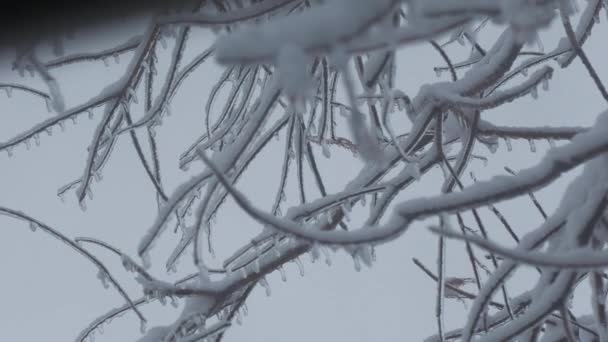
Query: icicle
point(508, 143)
point(49, 104)
point(438, 72)
point(83, 205)
point(133, 95)
point(312, 129)
point(9, 92)
point(266, 286)
point(326, 254)
point(460, 39)
point(167, 109)
point(106, 63)
point(326, 151)
point(493, 147)
point(62, 126)
point(49, 131)
point(89, 193)
point(61, 196)
point(357, 263)
point(239, 318)
point(363, 200)
point(282, 272)
point(174, 302)
point(245, 309)
point(28, 144)
point(314, 252)
point(539, 43)
point(300, 266)
point(343, 111)
point(33, 226)
point(74, 119)
point(116, 57)
point(145, 259)
point(9, 151)
point(373, 252)
point(142, 326)
point(414, 170)
point(256, 265)
point(532, 145)
point(551, 142)
point(103, 277)
point(534, 92)
point(97, 176)
point(545, 84)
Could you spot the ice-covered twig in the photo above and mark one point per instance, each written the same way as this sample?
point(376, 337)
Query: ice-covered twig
point(36, 224)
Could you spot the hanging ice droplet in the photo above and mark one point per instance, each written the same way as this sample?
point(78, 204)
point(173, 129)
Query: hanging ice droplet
point(493, 147)
point(9, 151)
point(256, 265)
point(97, 176)
point(9, 92)
point(28, 144)
point(103, 277)
point(300, 266)
point(460, 39)
point(49, 104)
point(282, 272)
point(167, 109)
point(62, 126)
point(174, 302)
point(545, 84)
point(239, 317)
point(414, 170)
point(524, 71)
point(534, 92)
point(133, 95)
point(357, 263)
point(532, 145)
point(90, 114)
point(551, 142)
point(266, 286)
point(245, 309)
point(33, 226)
point(314, 252)
point(327, 256)
point(142, 326)
point(106, 63)
point(116, 58)
point(325, 148)
point(49, 131)
point(438, 72)
point(363, 200)
point(508, 143)
point(83, 205)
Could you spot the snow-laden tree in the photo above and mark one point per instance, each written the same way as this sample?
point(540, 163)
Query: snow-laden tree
point(323, 76)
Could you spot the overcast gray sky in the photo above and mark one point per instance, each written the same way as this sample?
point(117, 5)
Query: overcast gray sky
point(51, 293)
